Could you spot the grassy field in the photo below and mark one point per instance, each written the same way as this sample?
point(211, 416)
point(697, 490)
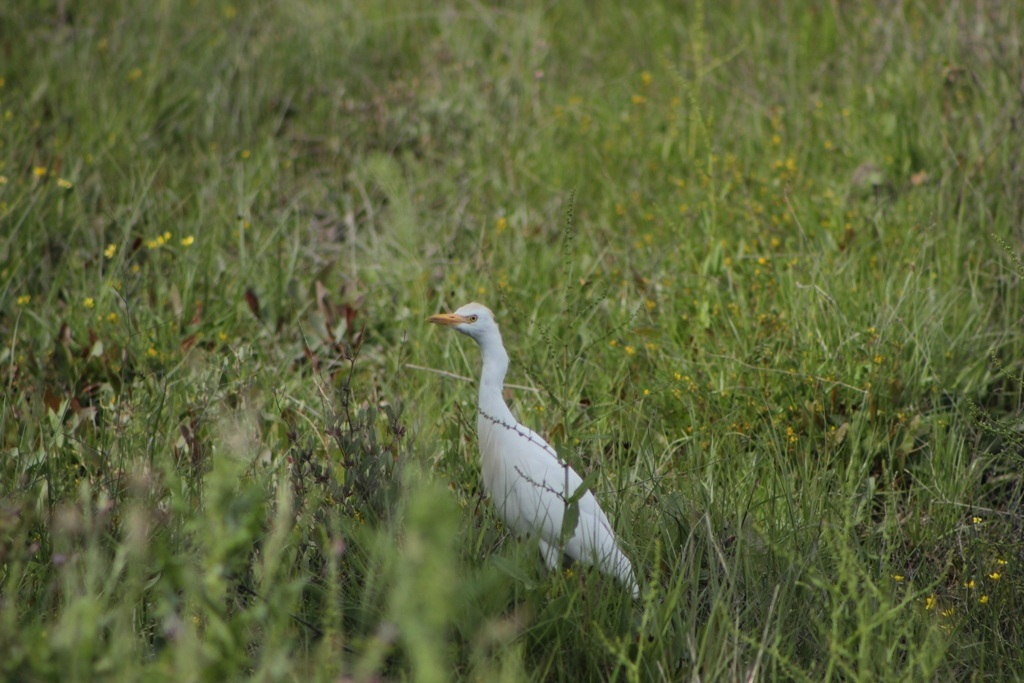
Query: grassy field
point(757, 264)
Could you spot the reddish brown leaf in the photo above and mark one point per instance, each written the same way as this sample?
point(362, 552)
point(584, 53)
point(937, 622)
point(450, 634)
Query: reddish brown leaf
point(189, 341)
point(254, 303)
point(313, 359)
point(350, 315)
point(51, 400)
point(324, 305)
point(197, 318)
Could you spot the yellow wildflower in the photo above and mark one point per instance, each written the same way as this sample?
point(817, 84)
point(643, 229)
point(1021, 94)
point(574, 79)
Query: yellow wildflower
point(24, 299)
point(89, 302)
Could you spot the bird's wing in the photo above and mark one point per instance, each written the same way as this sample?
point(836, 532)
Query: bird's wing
point(537, 485)
point(531, 485)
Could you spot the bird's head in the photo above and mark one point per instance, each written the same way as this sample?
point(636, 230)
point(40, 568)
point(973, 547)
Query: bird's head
point(473, 320)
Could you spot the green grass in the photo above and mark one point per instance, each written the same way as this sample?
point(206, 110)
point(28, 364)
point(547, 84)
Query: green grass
point(759, 261)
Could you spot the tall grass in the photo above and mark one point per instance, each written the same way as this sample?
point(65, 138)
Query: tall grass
point(757, 265)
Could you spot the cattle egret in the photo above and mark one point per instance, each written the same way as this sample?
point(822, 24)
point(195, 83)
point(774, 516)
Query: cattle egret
point(530, 486)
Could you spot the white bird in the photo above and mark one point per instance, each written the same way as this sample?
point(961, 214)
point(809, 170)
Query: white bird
point(528, 482)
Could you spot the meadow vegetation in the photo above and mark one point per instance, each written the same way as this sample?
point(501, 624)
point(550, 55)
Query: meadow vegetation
point(757, 264)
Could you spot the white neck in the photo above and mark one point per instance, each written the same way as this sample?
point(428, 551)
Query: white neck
point(492, 378)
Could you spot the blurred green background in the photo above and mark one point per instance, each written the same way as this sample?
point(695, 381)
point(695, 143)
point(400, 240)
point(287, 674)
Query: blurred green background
point(757, 264)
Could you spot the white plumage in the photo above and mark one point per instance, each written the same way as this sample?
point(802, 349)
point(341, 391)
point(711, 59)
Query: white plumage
point(528, 482)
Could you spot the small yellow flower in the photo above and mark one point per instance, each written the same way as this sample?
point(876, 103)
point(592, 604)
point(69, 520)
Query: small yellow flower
point(151, 352)
point(828, 144)
point(976, 520)
point(638, 99)
point(646, 78)
point(110, 250)
point(647, 392)
point(612, 343)
point(501, 225)
point(678, 377)
point(187, 241)
point(3, 180)
point(948, 612)
point(222, 336)
point(135, 74)
point(39, 171)
point(776, 139)
point(898, 578)
point(481, 291)
point(64, 183)
point(24, 299)
point(878, 360)
point(995, 576)
point(930, 602)
point(983, 600)
point(112, 317)
point(245, 154)
point(630, 350)
point(89, 302)
point(1001, 562)
point(167, 236)
point(650, 346)
point(969, 584)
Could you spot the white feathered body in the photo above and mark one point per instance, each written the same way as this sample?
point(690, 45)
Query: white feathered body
point(530, 487)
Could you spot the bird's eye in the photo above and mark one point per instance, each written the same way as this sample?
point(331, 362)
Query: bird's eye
point(473, 318)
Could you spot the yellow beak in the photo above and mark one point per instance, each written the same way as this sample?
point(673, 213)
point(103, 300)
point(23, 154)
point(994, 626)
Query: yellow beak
point(447, 319)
